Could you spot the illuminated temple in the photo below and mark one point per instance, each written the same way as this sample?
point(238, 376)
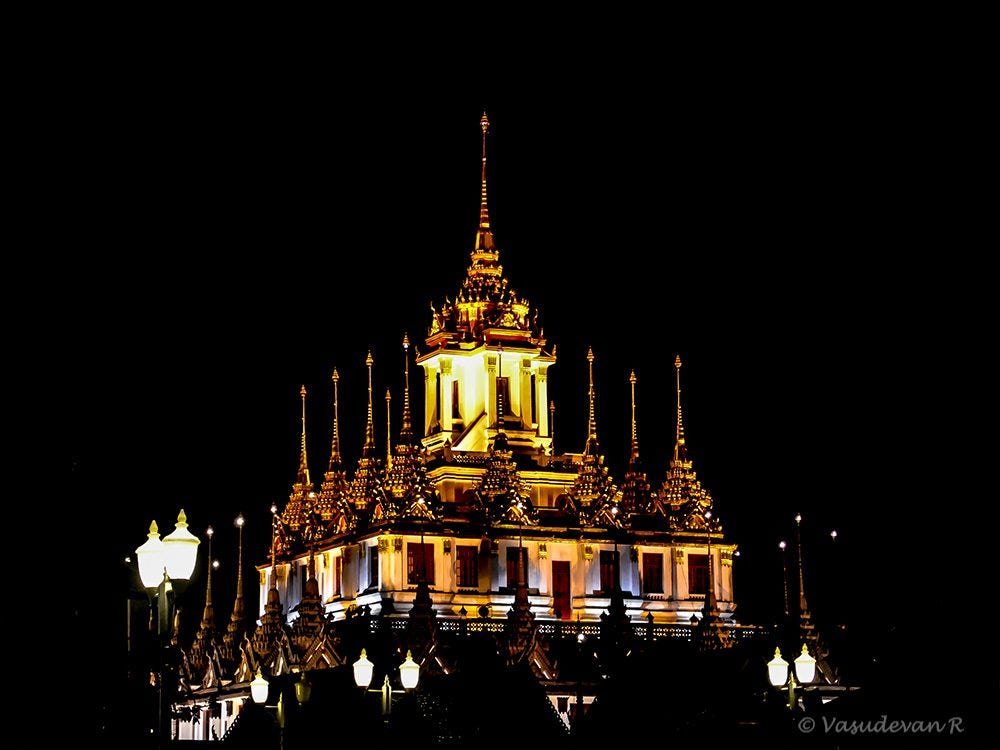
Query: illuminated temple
point(472, 544)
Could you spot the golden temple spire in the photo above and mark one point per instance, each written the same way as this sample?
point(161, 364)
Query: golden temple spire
point(592, 445)
point(634, 450)
point(680, 449)
point(388, 429)
point(484, 236)
point(303, 477)
point(369, 448)
point(406, 431)
point(335, 459)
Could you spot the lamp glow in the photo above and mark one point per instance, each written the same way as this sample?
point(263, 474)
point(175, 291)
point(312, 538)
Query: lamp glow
point(777, 669)
point(363, 670)
point(150, 556)
point(805, 666)
point(180, 550)
point(409, 672)
point(258, 688)
point(303, 689)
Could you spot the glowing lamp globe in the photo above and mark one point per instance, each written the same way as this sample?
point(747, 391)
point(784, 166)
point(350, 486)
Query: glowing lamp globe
point(258, 688)
point(805, 666)
point(150, 556)
point(363, 669)
point(409, 672)
point(777, 669)
point(180, 550)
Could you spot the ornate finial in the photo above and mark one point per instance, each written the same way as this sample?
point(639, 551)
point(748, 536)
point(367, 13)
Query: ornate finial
point(591, 420)
point(634, 451)
point(303, 476)
point(370, 426)
point(335, 458)
point(679, 446)
point(406, 432)
point(388, 429)
point(153, 528)
point(182, 519)
point(484, 237)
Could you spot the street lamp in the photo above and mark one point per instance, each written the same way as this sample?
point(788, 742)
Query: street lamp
point(409, 675)
point(778, 673)
point(258, 688)
point(161, 564)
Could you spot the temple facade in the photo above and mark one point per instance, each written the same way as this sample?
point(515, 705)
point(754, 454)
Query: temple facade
point(472, 522)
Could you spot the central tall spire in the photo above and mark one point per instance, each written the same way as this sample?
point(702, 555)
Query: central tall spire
point(484, 235)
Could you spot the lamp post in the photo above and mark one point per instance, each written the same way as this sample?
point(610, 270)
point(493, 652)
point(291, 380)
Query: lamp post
point(778, 673)
point(409, 675)
point(581, 638)
point(260, 690)
point(162, 563)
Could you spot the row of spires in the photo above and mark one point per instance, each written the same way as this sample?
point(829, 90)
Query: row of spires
point(381, 488)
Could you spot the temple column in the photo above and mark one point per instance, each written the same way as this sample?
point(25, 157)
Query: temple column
point(542, 402)
point(525, 394)
point(446, 379)
point(491, 390)
point(430, 398)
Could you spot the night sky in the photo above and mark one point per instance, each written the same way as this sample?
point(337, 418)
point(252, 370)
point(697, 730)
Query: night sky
point(238, 238)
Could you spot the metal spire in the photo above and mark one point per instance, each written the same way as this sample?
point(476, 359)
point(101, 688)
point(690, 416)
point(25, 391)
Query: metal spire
point(208, 616)
point(634, 450)
point(803, 606)
point(335, 459)
point(484, 236)
point(369, 448)
point(239, 608)
point(591, 446)
point(680, 450)
point(388, 429)
point(406, 431)
point(303, 477)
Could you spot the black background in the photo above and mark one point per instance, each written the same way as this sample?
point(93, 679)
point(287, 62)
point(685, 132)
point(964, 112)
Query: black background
point(213, 237)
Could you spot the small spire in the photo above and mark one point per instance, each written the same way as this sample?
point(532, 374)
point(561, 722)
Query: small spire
point(335, 458)
point(406, 431)
point(239, 612)
point(634, 451)
point(484, 236)
point(388, 429)
point(803, 606)
point(370, 426)
point(303, 477)
point(591, 419)
point(680, 450)
point(208, 615)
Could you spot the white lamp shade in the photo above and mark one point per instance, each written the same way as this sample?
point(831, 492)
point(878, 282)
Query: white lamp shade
point(409, 672)
point(258, 688)
point(777, 669)
point(180, 548)
point(363, 670)
point(150, 557)
point(805, 666)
